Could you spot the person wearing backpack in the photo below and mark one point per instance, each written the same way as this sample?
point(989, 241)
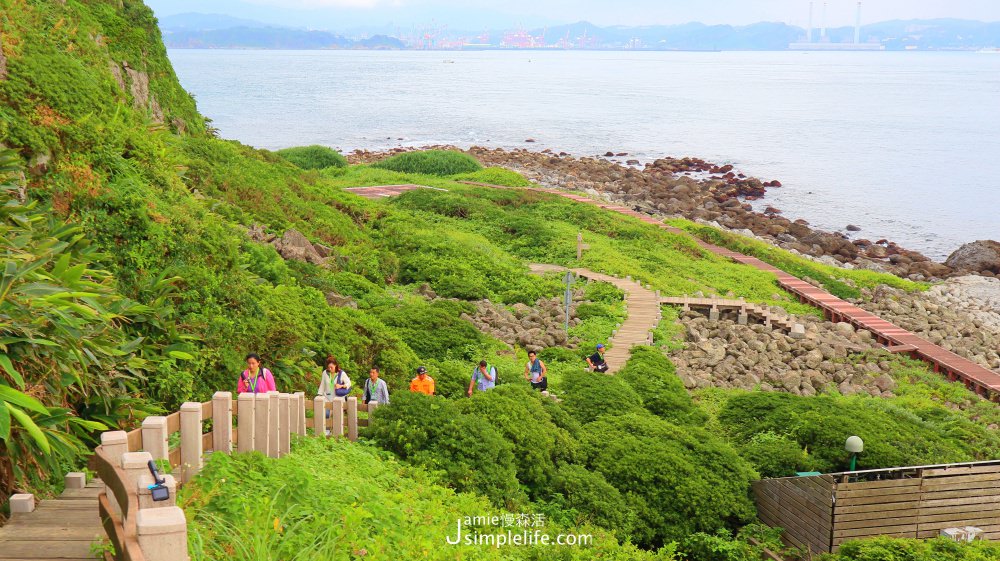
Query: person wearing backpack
point(375, 389)
point(255, 379)
point(536, 372)
point(334, 382)
point(484, 377)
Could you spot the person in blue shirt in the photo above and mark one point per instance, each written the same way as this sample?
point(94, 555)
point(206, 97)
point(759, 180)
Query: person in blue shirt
point(484, 377)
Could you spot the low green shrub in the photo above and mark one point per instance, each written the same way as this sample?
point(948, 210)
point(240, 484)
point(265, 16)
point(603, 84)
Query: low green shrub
point(678, 479)
point(517, 413)
point(494, 176)
point(586, 497)
point(466, 452)
point(314, 157)
point(654, 379)
point(894, 436)
point(431, 162)
point(898, 549)
point(775, 455)
point(591, 395)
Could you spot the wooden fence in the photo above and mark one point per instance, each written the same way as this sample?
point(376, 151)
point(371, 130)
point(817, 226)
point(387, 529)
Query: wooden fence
point(141, 529)
point(821, 512)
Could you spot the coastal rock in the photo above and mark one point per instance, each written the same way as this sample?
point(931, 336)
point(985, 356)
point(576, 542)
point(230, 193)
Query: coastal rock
point(853, 228)
point(336, 300)
point(296, 247)
point(982, 255)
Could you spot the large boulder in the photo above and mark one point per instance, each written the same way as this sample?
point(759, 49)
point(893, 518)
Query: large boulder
point(296, 247)
point(982, 255)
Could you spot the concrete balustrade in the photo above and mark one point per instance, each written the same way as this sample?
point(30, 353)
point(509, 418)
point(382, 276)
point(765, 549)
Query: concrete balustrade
point(245, 425)
point(301, 413)
point(75, 480)
point(154, 437)
point(319, 416)
point(284, 424)
point(222, 422)
point(191, 440)
point(337, 431)
point(115, 445)
point(352, 418)
point(146, 495)
point(262, 406)
point(273, 431)
point(162, 534)
point(135, 465)
point(22, 503)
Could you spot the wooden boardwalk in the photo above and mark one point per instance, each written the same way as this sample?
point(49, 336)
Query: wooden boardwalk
point(59, 529)
point(643, 314)
point(385, 191)
point(979, 379)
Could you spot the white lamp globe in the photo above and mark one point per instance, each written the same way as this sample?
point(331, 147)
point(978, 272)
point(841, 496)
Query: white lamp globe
point(855, 445)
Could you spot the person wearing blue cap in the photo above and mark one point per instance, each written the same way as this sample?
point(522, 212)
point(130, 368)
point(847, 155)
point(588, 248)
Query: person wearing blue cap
point(596, 360)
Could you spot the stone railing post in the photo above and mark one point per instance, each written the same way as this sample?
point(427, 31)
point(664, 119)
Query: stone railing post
point(75, 480)
point(338, 418)
point(162, 534)
point(272, 424)
point(245, 422)
point(191, 442)
point(262, 405)
point(372, 406)
point(284, 424)
point(135, 465)
point(115, 445)
point(146, 496)
point(22, 503)
point(319, 416)
point(154, 437)
point(222, 422)
point(300, 413)
point(352, 418)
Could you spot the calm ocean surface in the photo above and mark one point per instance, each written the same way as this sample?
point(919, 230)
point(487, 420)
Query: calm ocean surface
point(904, 145)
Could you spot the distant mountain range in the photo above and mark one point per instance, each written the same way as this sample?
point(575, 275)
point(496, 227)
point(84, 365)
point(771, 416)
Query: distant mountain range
point(213, 31)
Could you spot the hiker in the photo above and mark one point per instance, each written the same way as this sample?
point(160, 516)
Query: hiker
point(334, 382)
point(255, 379)
point(535, 372)
point(484, 377)
point(596, 360)
point(375, 389)
point(422, 383)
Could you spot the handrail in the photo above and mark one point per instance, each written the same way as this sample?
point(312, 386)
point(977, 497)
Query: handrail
point(128, 501)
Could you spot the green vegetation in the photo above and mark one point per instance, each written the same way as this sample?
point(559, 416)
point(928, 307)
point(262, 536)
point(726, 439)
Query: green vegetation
point(131, 285)
point(895, 549)
point(840, 282)
point(431, 162)
point(330, 500)
point(314, 157)
point(494, 176)
point(894, 434)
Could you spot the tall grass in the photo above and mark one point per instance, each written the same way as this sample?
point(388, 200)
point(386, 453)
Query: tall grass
point(431, 162)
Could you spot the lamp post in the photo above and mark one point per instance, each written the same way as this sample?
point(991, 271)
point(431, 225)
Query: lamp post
point(855, 446)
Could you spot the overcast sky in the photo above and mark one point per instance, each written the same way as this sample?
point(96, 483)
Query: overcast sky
point(323, 13)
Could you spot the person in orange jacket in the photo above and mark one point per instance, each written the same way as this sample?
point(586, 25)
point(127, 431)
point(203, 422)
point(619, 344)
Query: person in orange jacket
point(422, 383)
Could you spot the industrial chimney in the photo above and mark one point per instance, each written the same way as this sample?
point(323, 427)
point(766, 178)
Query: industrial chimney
point(857, 26)
point(822, 31)
point(809, 33)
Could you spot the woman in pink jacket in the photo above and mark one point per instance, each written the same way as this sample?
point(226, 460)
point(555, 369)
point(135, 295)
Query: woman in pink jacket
point(256, 379)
